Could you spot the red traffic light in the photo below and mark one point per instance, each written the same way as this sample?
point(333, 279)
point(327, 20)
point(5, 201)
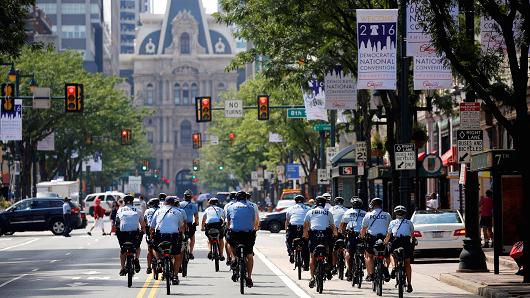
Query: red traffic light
point(205, 101)
point(195, 137)
point(263, 100)
point(71, 90)
point(124, 133)
point(232, 135)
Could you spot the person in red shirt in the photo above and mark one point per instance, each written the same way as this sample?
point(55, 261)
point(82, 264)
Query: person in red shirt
point(486, 217)
point(99, 214)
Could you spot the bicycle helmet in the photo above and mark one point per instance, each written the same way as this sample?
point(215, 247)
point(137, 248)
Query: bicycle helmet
point(320, 201)
point(400, 209)
point(249, 196)
point(213, 201)
point(162, 196)
point(241, 195)
point(170, 200)
point(376, 202)
point(187, 195)
point(233, 195)
point(154, 202)
point(339, 200)
point(327, 196)
point(128, 199)
point(356, 203)
point(299, 199)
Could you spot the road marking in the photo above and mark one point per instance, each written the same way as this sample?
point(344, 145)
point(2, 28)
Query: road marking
point(67, 254)
point(21, 244)
point(13, 279)
point(286, 280)
point(144, 288)
point(53, 261)
point(154, 289)
point(34, 270)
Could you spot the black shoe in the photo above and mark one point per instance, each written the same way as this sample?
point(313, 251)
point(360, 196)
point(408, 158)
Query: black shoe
point(349, 276)
point(89, 234)
point(234, 277)
point(123, 272)
point(334, 271)
point(393, 273)
point(312, 282)
point(210, 256)
point(306, 267)
point(228, 262)
point(175, 281)
point(409, 288)
point(249, 282)
point(221, 258)
point(137, 265)
point(486, 245)
point(386, 274)
point(233, 266)
point(291, 258)
point(191, 257)
point(369, 278)
point(148, 270)
point(67, 235)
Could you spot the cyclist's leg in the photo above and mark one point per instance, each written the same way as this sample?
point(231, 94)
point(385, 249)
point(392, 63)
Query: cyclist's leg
point(192, 237)
point(221, 246)
point(369, 259)
point(408, 270)
point(250, 265)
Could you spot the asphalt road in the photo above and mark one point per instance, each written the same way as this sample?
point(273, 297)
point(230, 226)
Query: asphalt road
point(38, 264)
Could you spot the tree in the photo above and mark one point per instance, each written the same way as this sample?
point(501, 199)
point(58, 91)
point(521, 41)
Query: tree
point(13, 17)
point(480, 70)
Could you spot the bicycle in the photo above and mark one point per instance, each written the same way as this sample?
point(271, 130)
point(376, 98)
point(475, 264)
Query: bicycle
point(320, 268)
point(185, 256)
point(213, 237)
point(130, 251)
point(240, 269)
point(399, 257)
point(298, 246)
point(377, 282)
point(165, 248)
point(358, 265)
point(339, 251)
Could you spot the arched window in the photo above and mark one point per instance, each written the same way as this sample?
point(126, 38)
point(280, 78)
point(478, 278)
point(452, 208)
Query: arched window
point(185, 94)
point(194, 91)
point(184, 43)
point(176, 94)
point(149, 94)
point(185, 133)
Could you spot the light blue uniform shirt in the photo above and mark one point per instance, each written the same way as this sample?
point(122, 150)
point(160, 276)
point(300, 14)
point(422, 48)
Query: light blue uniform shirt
point(377, 222)
point(129, 217)
point(398, 229)
point(191, 209)
point(67, 208)
point(148, 215)
point(337, 211)
point(167, 220)
point(242, 216)
point(296, 214)
point(213, 214)
point(354, 219)
point(228, 205)
point(319, 219)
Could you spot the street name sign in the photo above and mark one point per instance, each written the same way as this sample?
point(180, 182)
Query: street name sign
point(469, 142)
point(233, 108)
point(361, 154)
point(296, 113)
point(470, 115)
point(322, 127)
point(323, 176)
point(405, 155)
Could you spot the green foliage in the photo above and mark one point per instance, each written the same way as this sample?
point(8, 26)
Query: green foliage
point(4, 203)
point(13, 16)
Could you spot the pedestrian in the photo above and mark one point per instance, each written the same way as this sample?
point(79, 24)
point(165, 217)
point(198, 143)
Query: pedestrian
point(486, 217)
point(432, 202)
point(143, 204)
point(113, 212)
point(67, 215)
point(99, 215)
point(268, 203)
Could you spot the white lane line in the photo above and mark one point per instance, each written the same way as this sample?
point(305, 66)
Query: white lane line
point(53, 261)
point(18, 245)
point(34, 270)
point(13, 279)
point(67, 254)
point(286, 280)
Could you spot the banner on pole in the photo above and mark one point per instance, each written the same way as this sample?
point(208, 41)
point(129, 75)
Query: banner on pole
point(11, 123)
point(341, 89)
point(315, 101)
point(377, 37)
point(430, 73)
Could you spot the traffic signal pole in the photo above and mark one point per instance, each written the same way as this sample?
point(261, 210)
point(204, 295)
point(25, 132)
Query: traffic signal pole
point(322, 157)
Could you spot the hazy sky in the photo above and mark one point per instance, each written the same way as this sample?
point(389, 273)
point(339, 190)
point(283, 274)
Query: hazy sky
point(209, 5)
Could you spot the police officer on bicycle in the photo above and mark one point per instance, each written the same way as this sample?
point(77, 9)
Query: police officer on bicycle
point(213, 218)
point(351, 225)
point(227, 245)
point(153, 205)
point(294, 227)
point(243, 220)
point(400, 232)
point(337, 211)
point(319, 229)
point(130, 222)
point(168, 224)
point(192, 218)
point(375, 226)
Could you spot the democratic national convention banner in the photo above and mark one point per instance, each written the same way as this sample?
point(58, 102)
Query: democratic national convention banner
point(341, 90)
point(11, 123)
point(315, 101)
point(419, 42)
point(377, 36)
point(430, 73)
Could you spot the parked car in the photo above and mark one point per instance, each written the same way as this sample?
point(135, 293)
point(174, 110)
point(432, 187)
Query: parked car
point(438, 230)
point(289, 194)
point(39, 214)
point(284, 204)
point(107, 198)
point(273, 222)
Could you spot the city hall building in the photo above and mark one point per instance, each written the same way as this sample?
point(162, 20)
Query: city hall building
point(177, 56)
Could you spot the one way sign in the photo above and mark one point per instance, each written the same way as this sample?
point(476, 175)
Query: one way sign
point(469, 142)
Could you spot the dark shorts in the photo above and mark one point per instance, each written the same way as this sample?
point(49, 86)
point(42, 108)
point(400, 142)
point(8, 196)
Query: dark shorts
point(404, 242)
point(320, 237)
point(215, 225)
point(190, 232)
point(246, 238)
point(352, 241)
point(134, 237)
point(174, 238)
point(486, 222)
point(370, 242)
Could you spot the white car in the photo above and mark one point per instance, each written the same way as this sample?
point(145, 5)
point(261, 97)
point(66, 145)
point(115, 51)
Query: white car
point(107, 198)
point(438, 229)
point(284, 204)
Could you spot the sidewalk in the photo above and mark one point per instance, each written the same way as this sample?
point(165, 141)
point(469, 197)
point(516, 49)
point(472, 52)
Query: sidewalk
point(505, 284)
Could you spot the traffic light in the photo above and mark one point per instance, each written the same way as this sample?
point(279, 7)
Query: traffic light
point(203, 109)
point(197, 140)
point(231, 138)
point(73, 98)
point(196, 165)
point(221, 167)
point(145, 165)
point(126, 136)
point(8, 101)
point(263, 107)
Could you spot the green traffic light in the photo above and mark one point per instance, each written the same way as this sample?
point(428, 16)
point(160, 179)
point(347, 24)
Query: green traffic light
point(221, 168)
point(144, 168)
point(195, 168)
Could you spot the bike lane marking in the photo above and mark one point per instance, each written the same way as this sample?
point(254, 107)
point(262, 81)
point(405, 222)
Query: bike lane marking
point(13, 279)
point(144, 288)
point(286, 280)
point(20, 244)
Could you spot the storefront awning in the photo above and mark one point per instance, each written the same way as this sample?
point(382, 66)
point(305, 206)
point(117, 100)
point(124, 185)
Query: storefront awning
point(422, 155)
point(449, 157)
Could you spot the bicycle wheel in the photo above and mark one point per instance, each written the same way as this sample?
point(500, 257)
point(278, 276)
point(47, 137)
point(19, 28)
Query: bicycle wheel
point(359, 270)
point(298, 262)
point(215, 252)
point(320, 277)
point(379, 284)
point(399, 278)
point(130, 271)
point(185, 260)
point(340, 264)
point(242, 273)
point(167, 274)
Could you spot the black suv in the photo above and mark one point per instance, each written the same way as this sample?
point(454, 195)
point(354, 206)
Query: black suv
point(39, 214)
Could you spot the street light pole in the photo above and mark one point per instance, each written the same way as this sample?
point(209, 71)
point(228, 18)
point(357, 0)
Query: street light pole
point(322, 157)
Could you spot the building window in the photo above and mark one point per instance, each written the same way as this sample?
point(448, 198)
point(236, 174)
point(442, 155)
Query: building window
point(73, 8)
point(149, 94)
point(185, 133)
point(194, 91)
point(73, 31)
point(185, 43)
point(185, 94)
point(48, 8)
point(150, 139)
point(176, 94)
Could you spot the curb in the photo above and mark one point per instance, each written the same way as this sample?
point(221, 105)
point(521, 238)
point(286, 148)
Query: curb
point(496, 291)
point(465, 285)
point(510, 264)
